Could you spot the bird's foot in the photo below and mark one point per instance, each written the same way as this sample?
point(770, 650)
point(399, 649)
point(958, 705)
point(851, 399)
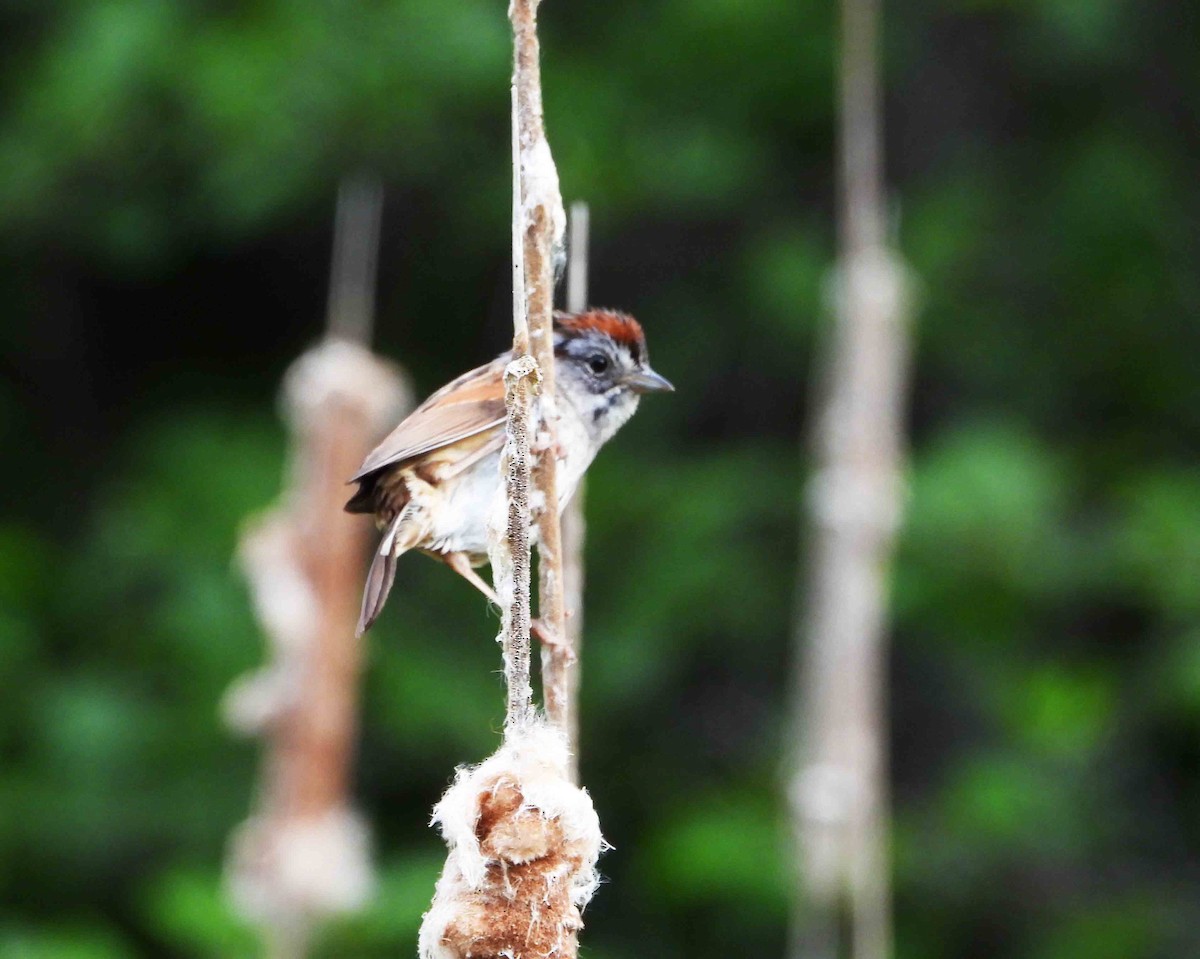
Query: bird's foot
point(550, 640)
point(542, 442)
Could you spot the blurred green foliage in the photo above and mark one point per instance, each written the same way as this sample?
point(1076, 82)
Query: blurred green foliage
point(165, 204)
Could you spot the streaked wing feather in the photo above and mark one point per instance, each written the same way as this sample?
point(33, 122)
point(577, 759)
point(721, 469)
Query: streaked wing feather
point(467, 406)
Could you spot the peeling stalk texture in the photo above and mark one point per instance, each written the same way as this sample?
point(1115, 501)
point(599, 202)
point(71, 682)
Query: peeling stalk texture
point(523, 846)
point(290, 872)
point(508, 540)
point(304, 854)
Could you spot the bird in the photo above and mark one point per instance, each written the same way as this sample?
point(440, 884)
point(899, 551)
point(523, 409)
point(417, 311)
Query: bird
point(431, 483)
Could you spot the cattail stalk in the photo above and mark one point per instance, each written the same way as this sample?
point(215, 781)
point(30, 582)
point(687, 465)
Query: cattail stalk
point(574, 526)
point(510, 554)
point(523, 840)
point(303, 855)
point(838, 791)
point(539, 223)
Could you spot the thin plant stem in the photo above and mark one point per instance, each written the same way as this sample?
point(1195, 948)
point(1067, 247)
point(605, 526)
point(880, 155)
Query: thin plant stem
point(838, 790)
point(538, 224)
point(574, 525)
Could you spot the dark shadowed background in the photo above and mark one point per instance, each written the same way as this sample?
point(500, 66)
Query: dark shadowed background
point(167, 176)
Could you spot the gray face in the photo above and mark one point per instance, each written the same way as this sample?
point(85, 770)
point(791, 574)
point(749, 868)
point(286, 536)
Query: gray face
point(591, 370)
point(596, 362)
point(604, 379)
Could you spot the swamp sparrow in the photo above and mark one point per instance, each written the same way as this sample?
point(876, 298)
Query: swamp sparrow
point(432, 482)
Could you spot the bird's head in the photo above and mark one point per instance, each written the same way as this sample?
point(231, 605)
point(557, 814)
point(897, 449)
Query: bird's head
point(603, 366)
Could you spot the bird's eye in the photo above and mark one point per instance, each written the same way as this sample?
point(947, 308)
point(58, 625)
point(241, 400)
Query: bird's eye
point(597, 363)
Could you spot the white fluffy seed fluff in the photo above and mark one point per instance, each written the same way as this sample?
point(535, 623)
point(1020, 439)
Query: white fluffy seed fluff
point(523, 843)
point(287, 873)
point(340, 369)
point(540, 180)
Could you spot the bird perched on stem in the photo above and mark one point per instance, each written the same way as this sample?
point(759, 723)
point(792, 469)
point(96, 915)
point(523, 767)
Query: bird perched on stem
point(432, 482)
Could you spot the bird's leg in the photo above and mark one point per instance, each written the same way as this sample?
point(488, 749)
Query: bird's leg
point(550, 640)
point(461, 565)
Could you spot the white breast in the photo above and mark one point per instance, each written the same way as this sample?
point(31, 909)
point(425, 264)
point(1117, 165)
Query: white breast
point(460, 524)
point(577, 440)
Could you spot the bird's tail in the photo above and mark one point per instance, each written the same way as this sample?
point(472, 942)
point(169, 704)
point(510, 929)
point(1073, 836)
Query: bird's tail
point(375, 594)
point(398, 540)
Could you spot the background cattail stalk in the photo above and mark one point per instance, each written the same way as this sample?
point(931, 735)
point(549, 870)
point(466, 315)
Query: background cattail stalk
point(574, 525)
point(304, 853)
point(838, 791)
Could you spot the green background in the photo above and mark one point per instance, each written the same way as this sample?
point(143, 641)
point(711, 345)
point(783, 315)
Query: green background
point(167, 172)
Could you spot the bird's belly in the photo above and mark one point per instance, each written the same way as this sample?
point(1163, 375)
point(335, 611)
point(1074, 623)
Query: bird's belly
point(461, 526)
point(572, 435)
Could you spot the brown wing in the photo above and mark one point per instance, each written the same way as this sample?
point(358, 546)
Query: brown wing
point(467, 406)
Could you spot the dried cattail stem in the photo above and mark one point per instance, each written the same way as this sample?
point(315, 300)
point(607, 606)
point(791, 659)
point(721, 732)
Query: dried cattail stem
point(523, 848)
point(510, 553)
point(304, 853)
point(539, 224)
point(839, 790)
point(351, 309)
point(574, 526)
point(523, 839)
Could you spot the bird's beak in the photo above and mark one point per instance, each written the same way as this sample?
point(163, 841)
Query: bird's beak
point(647, 381)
